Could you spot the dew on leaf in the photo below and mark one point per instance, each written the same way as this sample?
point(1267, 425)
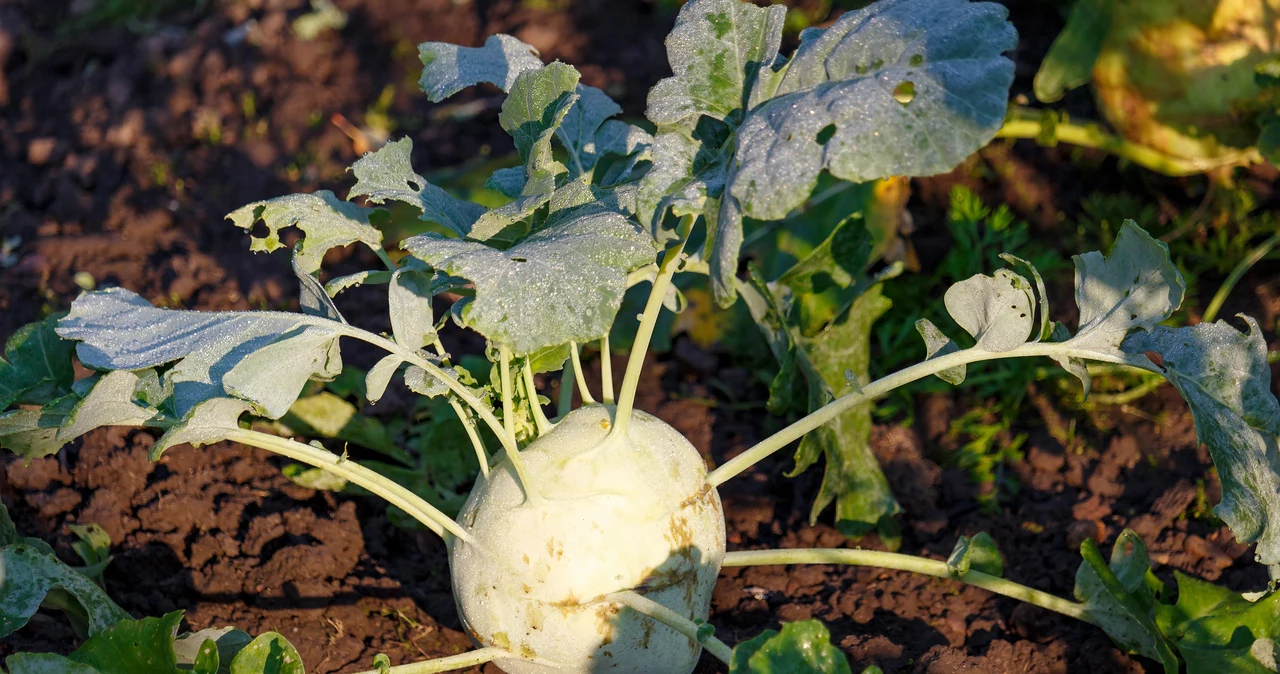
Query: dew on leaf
point(905, 92)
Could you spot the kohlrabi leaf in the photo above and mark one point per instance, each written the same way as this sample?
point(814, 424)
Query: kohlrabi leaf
point(327, 221)
point(227, 642)
point(1217, 630)
point(977, 554)
point(1120, 597)
point(37, 365)
point(325, 415)
point(120, 330)
point(379, 377)
point(412, 320)
point(852, 477)
point(1070, 60)
point(30, 575)
point(936, 344)
point(338, 284)
point(900, 88)
point(1224, 376)
point(997, 310)
point(1136, 286)
point(717, 50)
point(533, 112)
point(539, 102)
point(801, 648)
point(562, 283)
point(133, 647)
point(113, 400)
point(509, 181)
point(826, 281)
point(269, 653)
point(686, 169)
point(580, 125)
point(45, 663)
point(1075, 366)
point(208, 421)
point(387, 175)
point(448, 68)
point(33, 433)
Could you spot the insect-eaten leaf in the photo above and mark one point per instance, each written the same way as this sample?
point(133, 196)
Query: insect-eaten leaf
point(996, 310)
point(448, 68)
point(327, 221)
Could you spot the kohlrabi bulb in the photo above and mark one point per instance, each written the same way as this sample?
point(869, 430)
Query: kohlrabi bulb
point(631, 513)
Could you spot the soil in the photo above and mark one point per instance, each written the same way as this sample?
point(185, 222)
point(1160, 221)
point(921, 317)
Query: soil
point(123, 146)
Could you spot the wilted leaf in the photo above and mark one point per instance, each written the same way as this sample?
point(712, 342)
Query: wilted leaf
point(1224, 376)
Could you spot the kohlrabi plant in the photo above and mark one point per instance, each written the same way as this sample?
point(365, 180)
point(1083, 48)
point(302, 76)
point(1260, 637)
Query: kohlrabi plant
point(591, 541)
point(1188, 85)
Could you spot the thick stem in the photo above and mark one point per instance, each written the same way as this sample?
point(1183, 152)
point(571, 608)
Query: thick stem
point(606, 371)
point(509, 426)
point(476, 443)
point(565, 404)
point(353, 472)
point(1026, 123)
point(449, 664)
point(412, 356)
point(884, 385)
point(675, 621)
point(644, 333)
point(531, 393)
point(579, 375)
point(893, 560)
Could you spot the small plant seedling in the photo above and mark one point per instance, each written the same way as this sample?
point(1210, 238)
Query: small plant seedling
point(591, 541)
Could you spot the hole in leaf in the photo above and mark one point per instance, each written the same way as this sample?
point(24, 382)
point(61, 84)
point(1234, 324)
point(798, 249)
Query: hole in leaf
point(519, 259)
point(905, 92)
point(825, 134)
point(917, 59)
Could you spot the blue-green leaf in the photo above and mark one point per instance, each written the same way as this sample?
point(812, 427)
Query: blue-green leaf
point(562, 283)
point(1224, 376)
point(448, 68)
point(997, 310)
point(387, 175)
point(717, 51)
point(1136, 286)
point(30, 575)
point(120, 330)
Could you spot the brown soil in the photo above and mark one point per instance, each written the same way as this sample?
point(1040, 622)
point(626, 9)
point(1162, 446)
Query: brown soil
point(121, 152)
